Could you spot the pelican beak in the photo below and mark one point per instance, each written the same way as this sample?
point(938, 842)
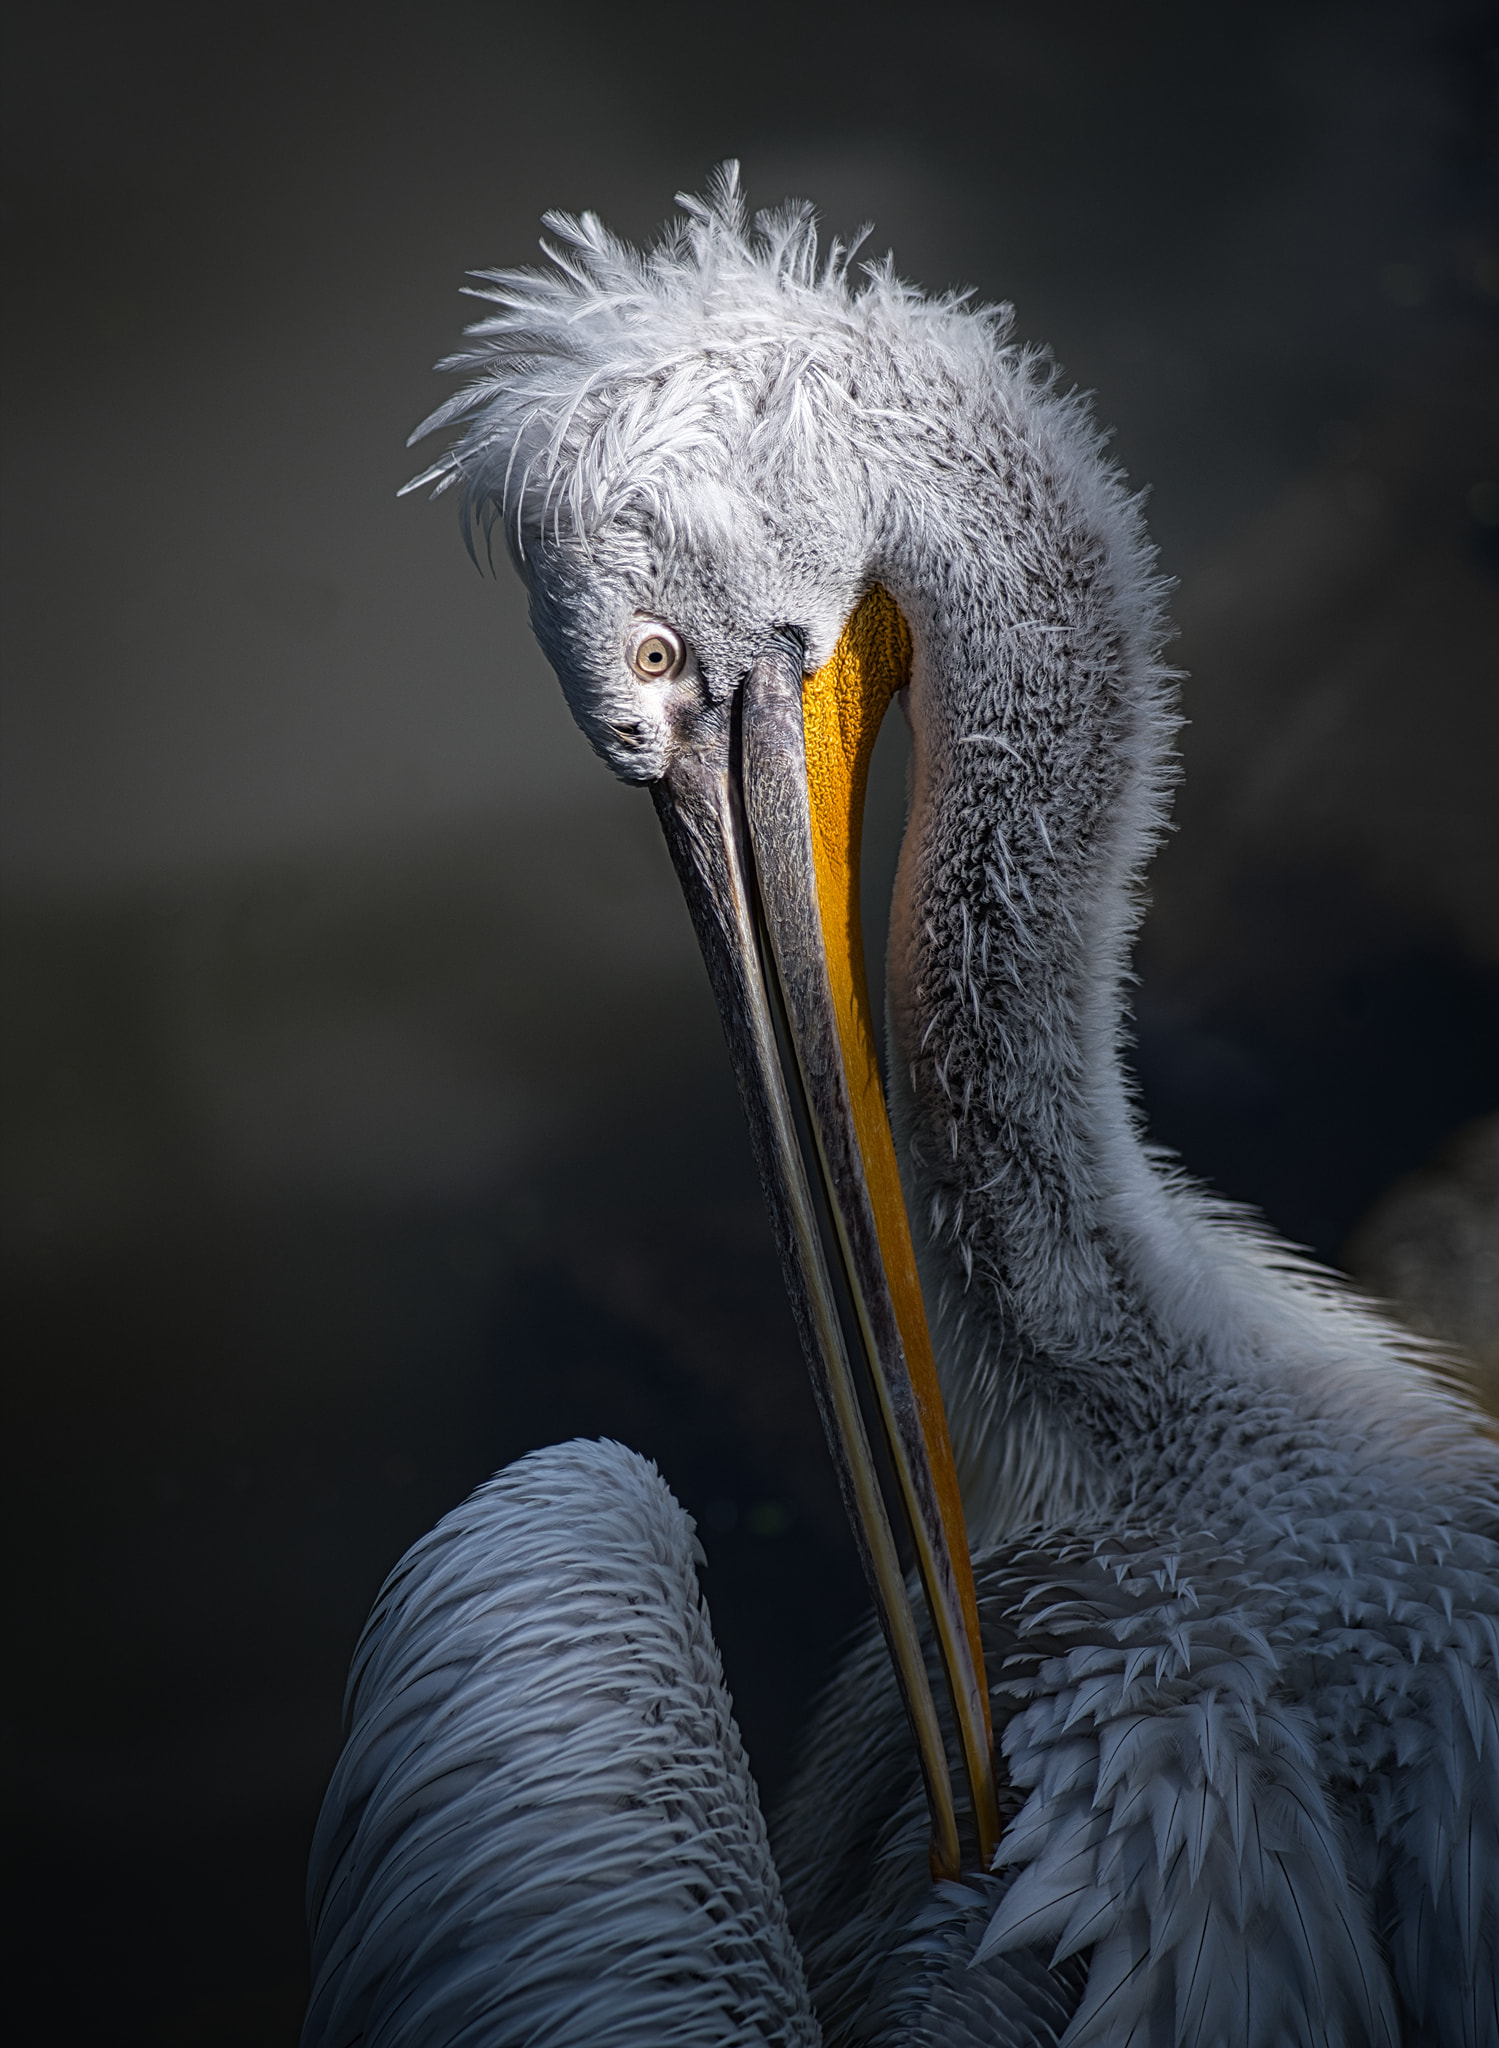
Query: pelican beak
point(762, 812)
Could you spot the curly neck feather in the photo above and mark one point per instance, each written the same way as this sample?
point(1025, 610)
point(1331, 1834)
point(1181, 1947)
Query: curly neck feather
point(1085, 1299)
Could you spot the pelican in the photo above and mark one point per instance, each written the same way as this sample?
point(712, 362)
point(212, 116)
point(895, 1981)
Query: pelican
point(1184, 1727)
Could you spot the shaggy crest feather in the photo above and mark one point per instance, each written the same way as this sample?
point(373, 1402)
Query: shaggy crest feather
point(617, 377)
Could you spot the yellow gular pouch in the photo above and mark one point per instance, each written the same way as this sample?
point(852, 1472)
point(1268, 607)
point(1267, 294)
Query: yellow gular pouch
point(843, 708)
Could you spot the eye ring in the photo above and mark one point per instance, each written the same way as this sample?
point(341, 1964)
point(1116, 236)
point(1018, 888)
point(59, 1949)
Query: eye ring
point(655, 651)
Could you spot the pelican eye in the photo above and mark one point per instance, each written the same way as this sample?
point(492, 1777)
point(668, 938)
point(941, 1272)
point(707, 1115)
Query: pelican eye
point(655, 652)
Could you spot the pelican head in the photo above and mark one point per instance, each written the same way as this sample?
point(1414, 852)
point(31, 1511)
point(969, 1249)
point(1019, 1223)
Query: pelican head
point(667, 440)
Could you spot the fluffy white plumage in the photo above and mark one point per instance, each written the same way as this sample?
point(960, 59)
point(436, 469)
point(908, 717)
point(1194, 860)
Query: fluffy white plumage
point(1241, 1582)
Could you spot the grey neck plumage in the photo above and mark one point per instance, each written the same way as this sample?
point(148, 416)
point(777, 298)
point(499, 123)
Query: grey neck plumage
point(1085, 1301)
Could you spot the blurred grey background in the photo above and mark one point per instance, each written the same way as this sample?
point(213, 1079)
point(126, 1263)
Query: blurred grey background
point(367, 1120)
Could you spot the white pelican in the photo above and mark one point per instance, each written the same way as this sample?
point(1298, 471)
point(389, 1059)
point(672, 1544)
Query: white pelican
point(1235, 1610)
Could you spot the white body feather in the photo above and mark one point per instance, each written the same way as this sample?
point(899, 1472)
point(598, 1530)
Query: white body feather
point(543, 1827)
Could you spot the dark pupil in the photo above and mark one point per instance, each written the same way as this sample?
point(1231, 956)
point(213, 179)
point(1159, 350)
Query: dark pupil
point(655, 654)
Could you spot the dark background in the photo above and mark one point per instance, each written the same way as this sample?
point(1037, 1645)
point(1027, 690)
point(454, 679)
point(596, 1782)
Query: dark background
point(367, 1118)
